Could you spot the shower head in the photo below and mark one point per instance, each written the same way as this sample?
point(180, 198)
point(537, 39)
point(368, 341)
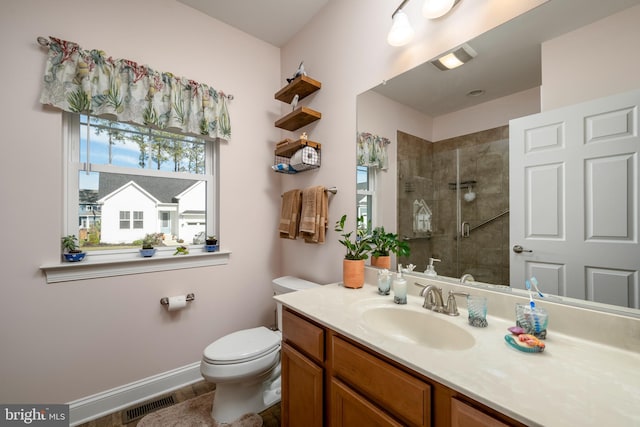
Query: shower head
point(470, 195)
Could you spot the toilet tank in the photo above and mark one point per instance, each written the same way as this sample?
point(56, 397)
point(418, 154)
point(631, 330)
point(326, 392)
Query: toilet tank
point(286, 284)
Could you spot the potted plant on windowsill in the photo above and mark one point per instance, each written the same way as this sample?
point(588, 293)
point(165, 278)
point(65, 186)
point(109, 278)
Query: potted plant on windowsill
point(383, 244)
point(211, 244)
point(73, 252)
point(357, 251)
point(148, 242)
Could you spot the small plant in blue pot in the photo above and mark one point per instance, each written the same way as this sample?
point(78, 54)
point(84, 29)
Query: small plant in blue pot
point(71, 250)
point(148, 243)
point(211, 244)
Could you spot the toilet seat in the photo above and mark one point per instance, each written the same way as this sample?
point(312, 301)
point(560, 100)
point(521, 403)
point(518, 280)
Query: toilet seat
point(242, 346)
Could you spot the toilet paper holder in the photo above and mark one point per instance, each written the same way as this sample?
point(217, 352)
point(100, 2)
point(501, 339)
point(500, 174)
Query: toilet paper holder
point(165, 300)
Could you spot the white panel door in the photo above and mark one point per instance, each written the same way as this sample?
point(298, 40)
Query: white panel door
point(573, 200)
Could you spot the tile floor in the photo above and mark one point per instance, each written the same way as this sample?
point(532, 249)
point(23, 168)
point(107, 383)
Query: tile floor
point(270, 417)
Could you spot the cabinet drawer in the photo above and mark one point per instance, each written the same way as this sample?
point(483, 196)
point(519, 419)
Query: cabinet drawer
point(349, 409)
point(304, 335)
point(464, 415)
point(380, 382)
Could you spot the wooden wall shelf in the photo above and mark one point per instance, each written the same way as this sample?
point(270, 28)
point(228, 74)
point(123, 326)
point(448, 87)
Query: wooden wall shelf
point(287, 150)
point(303, 86)
point(298, 118)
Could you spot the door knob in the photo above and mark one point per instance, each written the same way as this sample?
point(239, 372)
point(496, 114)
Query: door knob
point(519, 249)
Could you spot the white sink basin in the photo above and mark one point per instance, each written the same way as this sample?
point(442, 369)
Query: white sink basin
point(417, 327)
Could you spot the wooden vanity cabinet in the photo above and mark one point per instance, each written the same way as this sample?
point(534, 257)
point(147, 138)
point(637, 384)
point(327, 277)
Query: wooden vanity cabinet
point(330, 380)
point(302, 372)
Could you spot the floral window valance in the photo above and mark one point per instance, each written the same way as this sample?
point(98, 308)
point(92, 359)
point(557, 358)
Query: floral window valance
point(372, 151)
point(90, 82)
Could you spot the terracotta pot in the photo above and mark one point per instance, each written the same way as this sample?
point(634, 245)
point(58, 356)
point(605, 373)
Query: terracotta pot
point(381, 261)
point(353, 273)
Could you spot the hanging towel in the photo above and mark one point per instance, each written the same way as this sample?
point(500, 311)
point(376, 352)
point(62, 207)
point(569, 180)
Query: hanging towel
point(309, 210)
point(322, 201)
point(289, 214)
point(314, 214)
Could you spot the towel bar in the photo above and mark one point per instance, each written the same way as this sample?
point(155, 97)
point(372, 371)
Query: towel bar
point(332, 190)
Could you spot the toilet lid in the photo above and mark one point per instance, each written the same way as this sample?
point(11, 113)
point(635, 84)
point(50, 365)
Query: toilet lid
point(242, 346)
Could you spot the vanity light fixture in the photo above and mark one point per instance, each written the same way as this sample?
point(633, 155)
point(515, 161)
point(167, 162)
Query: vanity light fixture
point(433, 9)
point(455, 58)
point(401, 31)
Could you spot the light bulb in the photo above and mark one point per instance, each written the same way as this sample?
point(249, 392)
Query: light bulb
point(401, 31)
point(433, 9)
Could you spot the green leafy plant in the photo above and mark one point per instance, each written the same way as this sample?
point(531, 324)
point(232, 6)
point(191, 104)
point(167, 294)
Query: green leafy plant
point(70, 244)
point(384, 243)
point(211, 240)
point(359, 247)
point(181, 250)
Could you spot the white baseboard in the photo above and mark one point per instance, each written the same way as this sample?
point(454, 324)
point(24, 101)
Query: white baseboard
point(101, 404)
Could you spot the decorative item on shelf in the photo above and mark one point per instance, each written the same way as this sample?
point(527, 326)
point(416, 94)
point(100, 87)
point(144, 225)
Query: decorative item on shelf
point(304, 136)
point(357, 251)
point(299, 72)
point(148, 243)
point(73, 252)
point(383, 244)
point(294, 102)
point(211, 244)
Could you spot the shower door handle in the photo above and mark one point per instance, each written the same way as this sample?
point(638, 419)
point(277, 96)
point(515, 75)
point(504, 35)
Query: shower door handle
point(465, 229)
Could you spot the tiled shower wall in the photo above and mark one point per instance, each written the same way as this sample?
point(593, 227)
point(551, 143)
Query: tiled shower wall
point(428, 171)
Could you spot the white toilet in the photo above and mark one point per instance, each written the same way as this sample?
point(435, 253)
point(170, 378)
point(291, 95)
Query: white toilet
point(245, 365)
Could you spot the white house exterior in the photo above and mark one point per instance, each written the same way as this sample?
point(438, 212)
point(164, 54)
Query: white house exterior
point(191, 211)
point(133, 206)
point(128, 214)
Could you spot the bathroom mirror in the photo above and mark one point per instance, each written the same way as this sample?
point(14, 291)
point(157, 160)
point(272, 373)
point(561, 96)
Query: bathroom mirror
point(508, 69)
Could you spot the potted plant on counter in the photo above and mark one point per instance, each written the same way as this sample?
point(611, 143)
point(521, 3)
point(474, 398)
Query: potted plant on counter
point(73, 252)
point(383, 245)
point(357, 251)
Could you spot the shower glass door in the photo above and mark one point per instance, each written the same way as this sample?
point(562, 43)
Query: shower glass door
point(463, 182)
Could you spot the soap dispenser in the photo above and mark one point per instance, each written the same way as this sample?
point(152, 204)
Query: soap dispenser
point(399, 288)
point(431, 271)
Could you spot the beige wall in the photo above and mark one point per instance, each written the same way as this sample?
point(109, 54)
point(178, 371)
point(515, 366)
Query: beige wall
point(592, 62)
point(60, 342)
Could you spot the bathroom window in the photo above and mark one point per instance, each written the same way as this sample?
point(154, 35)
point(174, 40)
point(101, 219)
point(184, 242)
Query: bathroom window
point(126, 181)
point(366, 194)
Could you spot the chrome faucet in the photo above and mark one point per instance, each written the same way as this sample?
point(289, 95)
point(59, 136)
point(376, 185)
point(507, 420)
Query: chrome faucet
point(432, 298)
point(467, 277)
point(452, 307)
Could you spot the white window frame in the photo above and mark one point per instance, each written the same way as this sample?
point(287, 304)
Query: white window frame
point(107, 263)
point(372, 177)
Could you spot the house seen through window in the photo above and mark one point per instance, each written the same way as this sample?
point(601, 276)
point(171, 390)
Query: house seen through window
point(126, 181)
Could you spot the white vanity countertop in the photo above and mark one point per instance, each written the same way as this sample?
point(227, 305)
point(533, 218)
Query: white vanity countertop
point(574, 382)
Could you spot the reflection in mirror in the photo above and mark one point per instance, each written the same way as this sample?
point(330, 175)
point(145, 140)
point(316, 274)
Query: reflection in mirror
point(449, 151)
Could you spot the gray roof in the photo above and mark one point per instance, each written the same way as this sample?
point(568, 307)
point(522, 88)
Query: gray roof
point(163, 189)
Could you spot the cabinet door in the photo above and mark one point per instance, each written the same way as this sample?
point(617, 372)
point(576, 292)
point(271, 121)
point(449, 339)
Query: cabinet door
point(302, 402)
point(349, 409)
point(463, 415)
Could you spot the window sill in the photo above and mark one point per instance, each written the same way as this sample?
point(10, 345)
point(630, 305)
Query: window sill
point(119, 263)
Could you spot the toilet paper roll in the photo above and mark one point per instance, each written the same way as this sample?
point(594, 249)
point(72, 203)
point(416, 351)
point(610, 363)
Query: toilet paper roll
point(177, 302)
point(305, 156)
